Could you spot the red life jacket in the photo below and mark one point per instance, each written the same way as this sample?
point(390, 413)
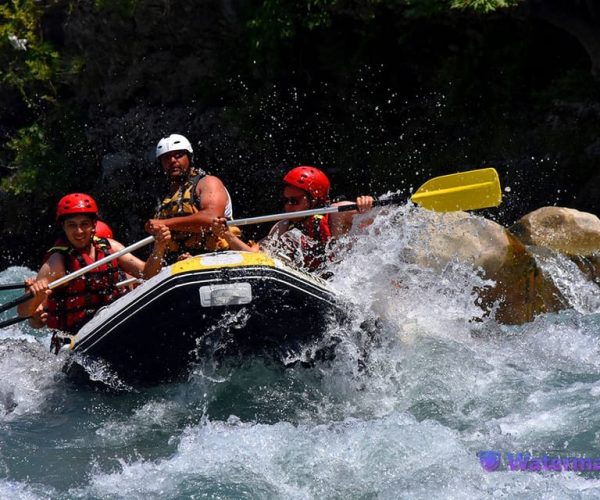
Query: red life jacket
point(317, 229)
point(71, 306)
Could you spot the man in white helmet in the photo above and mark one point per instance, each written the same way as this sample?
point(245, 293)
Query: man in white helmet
point(194, 200)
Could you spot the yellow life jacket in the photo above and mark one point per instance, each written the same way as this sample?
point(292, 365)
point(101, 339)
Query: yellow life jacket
point(179, 204)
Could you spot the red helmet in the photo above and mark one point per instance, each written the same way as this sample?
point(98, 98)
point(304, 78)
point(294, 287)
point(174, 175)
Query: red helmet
point(76, 203)
point(309, 179)
point(103, 230)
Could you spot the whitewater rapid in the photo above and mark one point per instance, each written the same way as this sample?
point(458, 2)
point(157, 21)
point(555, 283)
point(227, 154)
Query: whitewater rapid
point(407, 419)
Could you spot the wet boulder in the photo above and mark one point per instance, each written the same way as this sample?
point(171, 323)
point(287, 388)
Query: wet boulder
point(566, 230)
point(520, 290)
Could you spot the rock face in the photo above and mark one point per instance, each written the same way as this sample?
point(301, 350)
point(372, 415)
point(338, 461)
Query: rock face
point(521, 291)
point(564, 230)
point(506, 256)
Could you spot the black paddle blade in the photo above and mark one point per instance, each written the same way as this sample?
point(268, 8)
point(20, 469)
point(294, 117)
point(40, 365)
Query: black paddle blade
point(19, 300)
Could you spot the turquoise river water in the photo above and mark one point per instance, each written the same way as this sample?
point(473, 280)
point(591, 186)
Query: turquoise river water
point(443, 384)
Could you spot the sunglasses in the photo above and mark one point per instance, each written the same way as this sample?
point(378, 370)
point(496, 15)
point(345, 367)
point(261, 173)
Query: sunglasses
point(293, 200)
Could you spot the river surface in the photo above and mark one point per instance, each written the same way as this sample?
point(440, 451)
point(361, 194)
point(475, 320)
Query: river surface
point(447, 394)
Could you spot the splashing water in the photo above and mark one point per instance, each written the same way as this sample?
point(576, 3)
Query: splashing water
point(441, 383)
point(582, 294)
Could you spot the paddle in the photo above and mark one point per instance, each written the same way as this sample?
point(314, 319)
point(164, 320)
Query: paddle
point(80, 272)
point(469, 190)
point(12, 286)
point(12, 321)
point(129, 281)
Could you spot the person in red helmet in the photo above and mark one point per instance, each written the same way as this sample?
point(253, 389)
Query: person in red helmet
point(69, 307)
point(102, 230)
point(305, 187)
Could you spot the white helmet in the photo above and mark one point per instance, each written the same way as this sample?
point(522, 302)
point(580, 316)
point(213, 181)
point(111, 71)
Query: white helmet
point(174, 142)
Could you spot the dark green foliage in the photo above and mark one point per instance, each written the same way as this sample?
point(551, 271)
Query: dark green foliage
point(29, 63)
point(50, 159)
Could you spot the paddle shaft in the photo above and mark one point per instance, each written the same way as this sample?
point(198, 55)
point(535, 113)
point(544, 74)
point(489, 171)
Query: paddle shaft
point(12, 321)
point(129, 281)
point(12, 286)
point(305, 213)
point(80, 272)
point(470, 190)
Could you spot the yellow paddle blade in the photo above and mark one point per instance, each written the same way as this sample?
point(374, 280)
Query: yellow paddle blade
point(461, 191)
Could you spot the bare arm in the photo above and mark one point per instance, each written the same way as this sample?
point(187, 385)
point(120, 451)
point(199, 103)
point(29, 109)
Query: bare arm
point(137, 267)
point(220, 230)
point(53, 269)
point(212, 197)
point(341, 222)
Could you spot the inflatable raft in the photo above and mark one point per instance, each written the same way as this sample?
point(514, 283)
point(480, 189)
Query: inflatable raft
point(219, 304)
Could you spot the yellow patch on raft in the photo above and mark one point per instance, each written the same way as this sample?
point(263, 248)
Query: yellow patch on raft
point(221, 260)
